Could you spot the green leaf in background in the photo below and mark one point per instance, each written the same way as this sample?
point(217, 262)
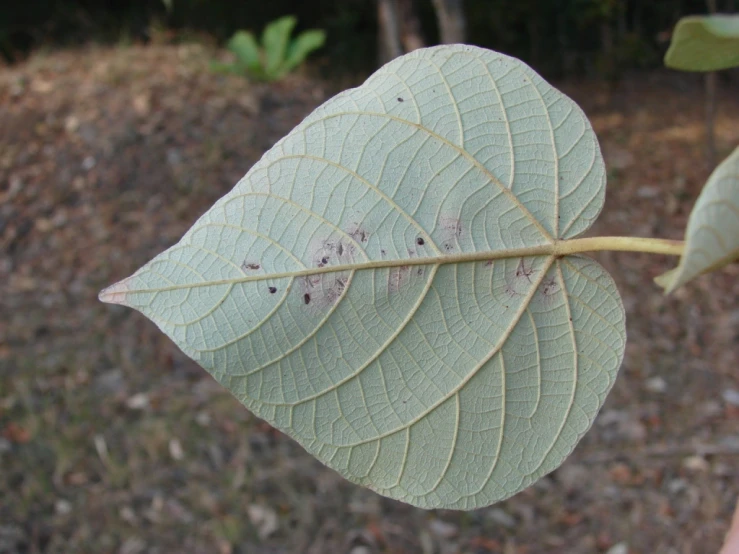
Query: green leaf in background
point(245, 47)
point(275, 40)
point(304, 44)
point(704, 43)
point(377, 286)
point(712, 236)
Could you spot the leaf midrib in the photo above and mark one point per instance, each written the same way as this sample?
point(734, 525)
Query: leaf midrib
point(483, 256)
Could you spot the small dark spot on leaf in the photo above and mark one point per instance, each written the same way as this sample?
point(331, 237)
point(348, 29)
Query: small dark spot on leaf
point(400, 99)
point(420, 241)
point(250, 265)
point(306, 298)
point(272, 290)
point(324, 260)
point(383, 252)
point(340, 248)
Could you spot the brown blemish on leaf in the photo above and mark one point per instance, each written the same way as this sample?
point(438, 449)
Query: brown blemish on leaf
point(523, 271)
point(451, 225)
point(323, 251)
point(322, 291)
point(250, 265)
point(450, 231)
point(336, 289)
point(518, 281)
point(398, 277)
point(359, 234)
point(549, 287)
point(510, 291)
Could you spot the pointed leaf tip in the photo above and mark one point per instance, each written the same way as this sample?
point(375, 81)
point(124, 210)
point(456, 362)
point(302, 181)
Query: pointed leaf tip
point(712, 236)
point(114, 294)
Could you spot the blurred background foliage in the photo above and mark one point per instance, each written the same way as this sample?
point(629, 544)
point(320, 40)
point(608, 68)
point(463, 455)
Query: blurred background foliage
point(561, 38)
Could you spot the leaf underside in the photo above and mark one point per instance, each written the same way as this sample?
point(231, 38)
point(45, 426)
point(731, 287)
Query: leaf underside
point(712, 236)
point(704, 43)
point(448, 383)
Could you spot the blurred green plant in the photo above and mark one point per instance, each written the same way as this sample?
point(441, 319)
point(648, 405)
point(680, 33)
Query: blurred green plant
point(704, 43)
point(276, 56)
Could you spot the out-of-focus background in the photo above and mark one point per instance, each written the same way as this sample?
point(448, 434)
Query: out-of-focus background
point(122, 121)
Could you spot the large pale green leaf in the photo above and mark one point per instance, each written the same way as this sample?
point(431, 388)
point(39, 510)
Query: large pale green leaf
point(704, 43)
point(381, 285)
point(712, 236)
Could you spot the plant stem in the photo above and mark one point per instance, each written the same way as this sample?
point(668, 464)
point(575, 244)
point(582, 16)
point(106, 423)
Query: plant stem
point(116, 293)
point(623, 244)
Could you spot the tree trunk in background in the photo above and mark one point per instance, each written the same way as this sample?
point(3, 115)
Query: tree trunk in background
point(452, 23)
point(567, 56)
point(710, 83)
point(388, 41)
point(710, 118)
point(399, 29)
point(534, 42)
point(410, 26)
point(607, 67)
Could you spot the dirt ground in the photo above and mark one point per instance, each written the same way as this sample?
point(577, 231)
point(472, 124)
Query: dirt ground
point(112, 441)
